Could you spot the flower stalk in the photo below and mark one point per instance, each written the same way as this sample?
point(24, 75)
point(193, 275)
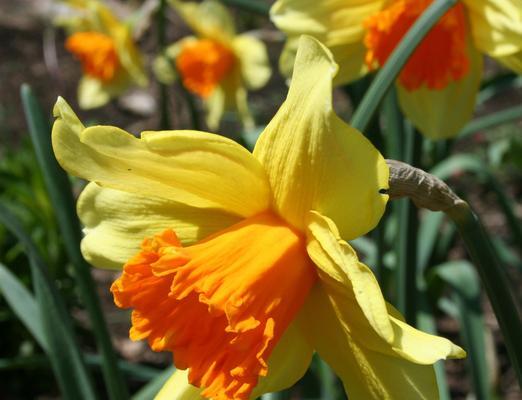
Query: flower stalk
point(388, 73)
point(427, 191)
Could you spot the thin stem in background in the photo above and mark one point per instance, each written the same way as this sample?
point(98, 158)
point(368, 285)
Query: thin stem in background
point(165, 122)
point(406, 250)
point(494, 279)
point(387, 74)
point(59, 189)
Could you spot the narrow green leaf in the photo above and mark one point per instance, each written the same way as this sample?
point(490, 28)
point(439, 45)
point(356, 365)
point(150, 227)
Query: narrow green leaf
point(62, 349)
point(387, 74)
point(429, 231)
point(60, 192)
point(152, 388)
point(494, 279)
point(491, 120)
point(462, 278)
point(253, 6)
point(473, 164)
point(23, 304)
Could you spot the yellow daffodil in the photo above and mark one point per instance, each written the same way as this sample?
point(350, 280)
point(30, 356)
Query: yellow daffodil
point(243, 272)
point(438, 86)
point(104, 46)
point(217, 64)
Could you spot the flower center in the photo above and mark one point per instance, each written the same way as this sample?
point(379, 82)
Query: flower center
point(202, 64)
point(440, 58)
point(220, 305)
point(96, 52)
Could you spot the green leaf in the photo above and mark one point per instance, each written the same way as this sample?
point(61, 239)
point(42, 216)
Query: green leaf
point(493, 277)
point(60, 192)
point(23, 304)
point(491, 120)
point(461, 277)
point(400, 55)
point(62, 349)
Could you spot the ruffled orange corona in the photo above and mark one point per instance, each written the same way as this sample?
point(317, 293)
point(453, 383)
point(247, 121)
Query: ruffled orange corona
point(202, 64)
point(264, 277)
point(97, 53)
point(220, 305)
point(440, 58)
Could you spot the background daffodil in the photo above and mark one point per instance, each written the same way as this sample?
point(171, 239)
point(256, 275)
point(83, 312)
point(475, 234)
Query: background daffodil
point(438, 86)
point(104, 46)
point(245, 270)
point(216, 64)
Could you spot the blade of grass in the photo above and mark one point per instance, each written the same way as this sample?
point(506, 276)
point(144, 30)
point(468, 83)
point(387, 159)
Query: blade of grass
point(387, 74)
point(494, 279)
point(23, 304)
point(62, 349)
point(491, 120)
point(162, 43)
point(473, 164)
point(60, 192)
point(406, 249)
point(253, 6)
point(462, 278)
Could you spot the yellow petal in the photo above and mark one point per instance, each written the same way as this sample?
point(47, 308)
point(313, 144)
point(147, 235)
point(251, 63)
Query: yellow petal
point(333, 22)
point(229, 95)
point(338, 24)
point(253, 59)
point(209, 19)
point(288, 362)
point(496, 26)
point(92, 93)
point(352, 278)
point(513, 61)
point(190, 167)
point(178, 388)
point(129, 55)
point(440, 114)
point(366, 374)
point(314, 160)
point(112, 237)
point(358, 302)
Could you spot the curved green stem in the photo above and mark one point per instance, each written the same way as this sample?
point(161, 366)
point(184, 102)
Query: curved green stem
point(396, 61)
point(494, 279)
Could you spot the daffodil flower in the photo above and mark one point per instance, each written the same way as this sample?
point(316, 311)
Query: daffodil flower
point(217, 64)
point(437, 88)
point(245, 270)
point(104, 46)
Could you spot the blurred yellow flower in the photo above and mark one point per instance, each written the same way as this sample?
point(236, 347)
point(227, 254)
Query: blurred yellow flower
point(437, 88)
point(243, 272)
point(217, 64)
point(104, 46)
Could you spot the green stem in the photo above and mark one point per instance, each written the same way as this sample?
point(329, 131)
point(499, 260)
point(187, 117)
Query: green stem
point(489, 121)
point(253, 6)
point(407, 240)
point(387, 74)
point(494, 279)
point(165, 122)
point(60, 192)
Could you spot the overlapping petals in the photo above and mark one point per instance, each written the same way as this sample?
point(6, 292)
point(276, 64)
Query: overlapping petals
point(491, 27)
point(309, 170)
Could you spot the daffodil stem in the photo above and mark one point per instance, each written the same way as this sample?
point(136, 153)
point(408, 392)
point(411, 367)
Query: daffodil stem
point(165, 122)
point(427, 191)
point(494, 279)
point(60, 193)
point(387, 74)
point(254, 6)
point(407, 239)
